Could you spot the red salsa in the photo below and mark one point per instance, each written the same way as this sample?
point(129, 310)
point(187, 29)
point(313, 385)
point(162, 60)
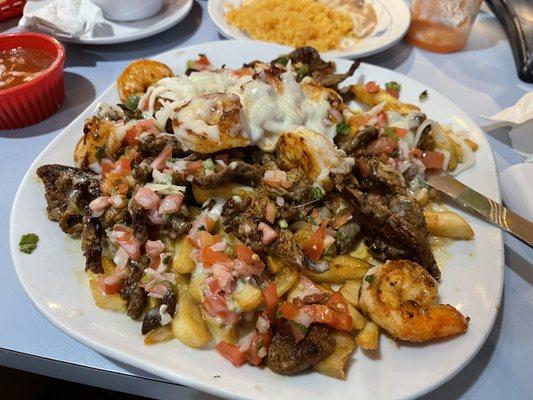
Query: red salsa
point(18, 66)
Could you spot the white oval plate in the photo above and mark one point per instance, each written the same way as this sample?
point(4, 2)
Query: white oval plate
point(112, 32)
point(472, 277)
point(393, 21)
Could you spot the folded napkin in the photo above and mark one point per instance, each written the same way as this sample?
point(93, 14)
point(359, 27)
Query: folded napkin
point(519, 118)
point(70, 18)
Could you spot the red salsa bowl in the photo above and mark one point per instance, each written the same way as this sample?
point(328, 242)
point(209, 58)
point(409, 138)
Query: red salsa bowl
point(36, 99)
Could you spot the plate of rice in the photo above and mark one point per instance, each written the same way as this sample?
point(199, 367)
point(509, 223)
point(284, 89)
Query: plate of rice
point(340, 28)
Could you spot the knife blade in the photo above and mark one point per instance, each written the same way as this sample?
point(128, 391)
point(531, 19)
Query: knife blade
point(493, 212)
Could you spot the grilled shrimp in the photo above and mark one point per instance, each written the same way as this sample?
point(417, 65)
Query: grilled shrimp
point(211, 123)
point(100, 140)
point(139, 76)
point(313, 153)
point(400, 296)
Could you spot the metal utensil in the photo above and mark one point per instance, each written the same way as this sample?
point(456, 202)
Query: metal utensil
point(495, 213)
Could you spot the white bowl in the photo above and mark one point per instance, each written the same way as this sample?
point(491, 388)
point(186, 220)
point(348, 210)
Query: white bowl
point(129, 10)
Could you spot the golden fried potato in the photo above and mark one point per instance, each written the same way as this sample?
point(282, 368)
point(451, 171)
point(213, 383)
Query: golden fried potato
point(274, 264)
point(188, 325)
point(139, 76)
point(341, 269)
point(373, 99)
point(161, 334)
point(225, 192)
point(448, 224)
point(285, 279)
point(247, 297)
point(368, 338)
point(359, 321)
point(220, 330)
point(106, 301)
point(350, 291)
point(335, 364)
point(182, 261)
point(196, 287)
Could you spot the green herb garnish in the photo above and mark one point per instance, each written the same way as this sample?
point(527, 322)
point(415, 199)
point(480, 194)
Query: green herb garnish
point(317, 191)
point(423, 96)
point(260, 344)
point(391, 132)
point(343, 128)
point(166, 259)
point(132, 102)
point(209, 164)
point(393, 86)
point(99, 153)
point(370, 278)
point(302, 328)
point(283, 224)
point(190, 64)
point(302, 72)
point(201, 228)
point(283, 60)
point(28, 242)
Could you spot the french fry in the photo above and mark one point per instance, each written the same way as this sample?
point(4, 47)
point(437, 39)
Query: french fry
point(368, 337)
point(274, 264)
point(160, 334)
point(302, 236)
point(285, 279)
point(225, 191)
point(473, 145)
point(335, 364)
point(182, 261)
point(106, 301)
point(247, 297)
point(359, 321)
point(373, 99)
point(448, 224)
point(220, 330)
point(196, 287)
point(108, 266)
point(350, 291)
point(300, 289)
point(341, 269)
point(188, 325)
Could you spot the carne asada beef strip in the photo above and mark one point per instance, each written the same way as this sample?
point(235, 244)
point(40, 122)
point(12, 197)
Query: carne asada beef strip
point(374, 174)
point(134, 295)
point(287, 357)
point(91, 244)
point(68, 192)
point(356, 141)
point(236, 171)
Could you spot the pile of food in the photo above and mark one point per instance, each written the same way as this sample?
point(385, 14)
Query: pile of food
point(324, 25)
point(255, 210)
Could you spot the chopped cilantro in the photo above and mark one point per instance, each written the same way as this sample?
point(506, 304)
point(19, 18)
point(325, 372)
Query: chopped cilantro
point(370, 278)
point(278, 314)
point(166, 259)
point(302, 72)
point(201, 228)
point(317, 191)
point(343, 128)
point(28, 242)
point(99, 153)
point(283, 60)
point(283, 224)
point(391, 132)
point(132, 102)
point(302, 328)
point(340, 235)
point(209, 164)
point(393, 86)
point(423, 96)
point(260, 344)
point(190, 64)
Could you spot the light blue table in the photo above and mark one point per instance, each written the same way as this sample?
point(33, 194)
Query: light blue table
point(481, 79)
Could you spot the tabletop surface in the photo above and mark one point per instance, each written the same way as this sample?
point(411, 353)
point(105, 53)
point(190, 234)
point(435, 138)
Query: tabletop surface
point(481, 79)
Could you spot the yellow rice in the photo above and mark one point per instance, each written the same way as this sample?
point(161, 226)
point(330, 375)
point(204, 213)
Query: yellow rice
point(292, 22)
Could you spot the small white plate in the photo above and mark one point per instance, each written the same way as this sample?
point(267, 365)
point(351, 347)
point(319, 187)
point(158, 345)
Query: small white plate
point(121, 32)
point(472, 273)
point(393, 21)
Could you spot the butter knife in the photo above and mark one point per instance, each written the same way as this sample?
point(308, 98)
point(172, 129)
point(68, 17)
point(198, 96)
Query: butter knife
point(491, 211)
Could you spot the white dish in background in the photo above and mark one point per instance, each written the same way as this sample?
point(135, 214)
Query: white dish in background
point(112, 32)
point(517, 191)
point(129, 10)
point(394, 18)
point(472, 276)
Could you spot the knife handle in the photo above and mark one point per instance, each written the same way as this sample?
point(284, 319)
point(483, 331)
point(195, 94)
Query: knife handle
point(519, 31)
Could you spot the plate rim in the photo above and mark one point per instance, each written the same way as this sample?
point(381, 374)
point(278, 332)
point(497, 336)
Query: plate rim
point(182, 13)
point(406, 15)
point(221, 389)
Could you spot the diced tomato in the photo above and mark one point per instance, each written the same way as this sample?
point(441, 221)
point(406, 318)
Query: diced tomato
point(260, 341)
point(372, 87)
point(383, 145)
point(243, 72)
point(171, 204)
point(337, 302)
point(382, 119)
point(205, 239)
point(277, 178)
point(161, 160)
point(325, 315)
point(433, 160)
point(203, 60)
point(109, 284)
point(296, 329)
point(123, 235)
point(223, 274)
point(210, 257)
point(107, 165)
point(213, 284)
point(289, 310)
point(193, 166)
point(393, 93)
point(231, 352)
point(122, 166)
point(269, 234)
point(270, 293)
point(215, 305)
point(209, 223)
point(401, 132)
point(315, 246)
point(244, 253)
point(154, 248)
point(147, 198)
point(132, 137)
